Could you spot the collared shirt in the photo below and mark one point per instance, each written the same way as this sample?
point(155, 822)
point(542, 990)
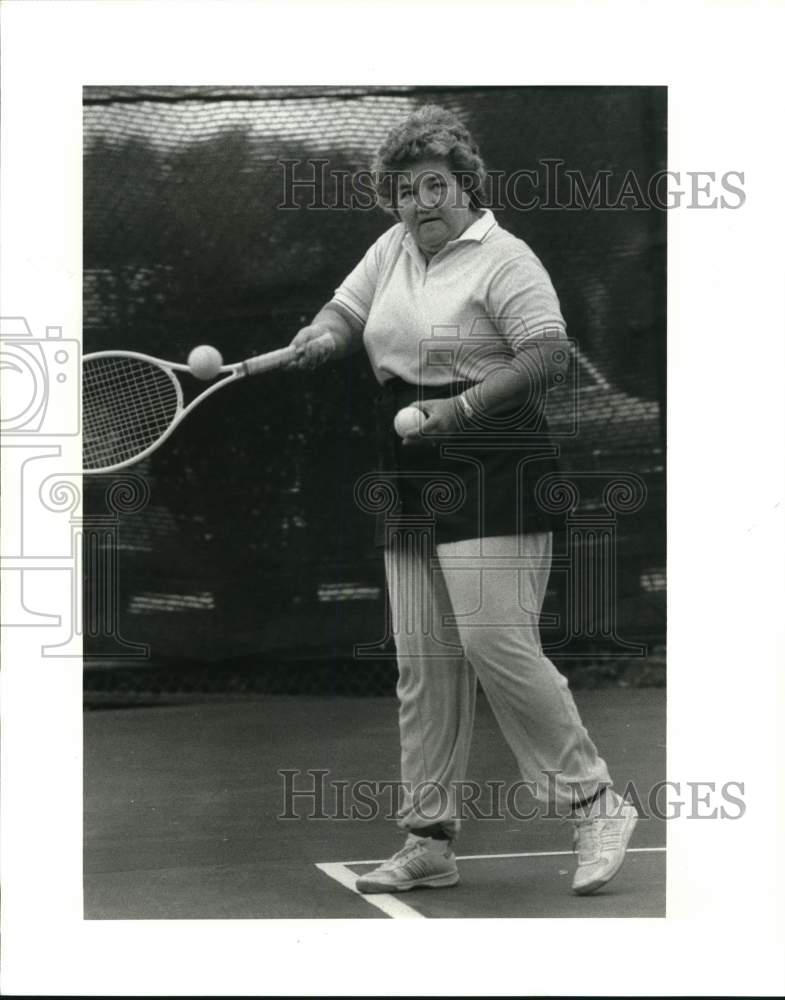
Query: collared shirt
point(451, 318)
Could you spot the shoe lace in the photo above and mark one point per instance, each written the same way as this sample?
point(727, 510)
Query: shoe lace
point(411, 846)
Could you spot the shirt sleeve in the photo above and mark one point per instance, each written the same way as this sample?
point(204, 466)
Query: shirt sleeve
point(358, 289)
point(523, 303)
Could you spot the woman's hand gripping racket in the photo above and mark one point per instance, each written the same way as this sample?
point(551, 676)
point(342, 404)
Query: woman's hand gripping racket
point(131, 402)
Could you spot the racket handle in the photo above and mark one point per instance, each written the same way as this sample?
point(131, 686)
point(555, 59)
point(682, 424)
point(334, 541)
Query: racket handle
point(269, 362)
point(277, 359)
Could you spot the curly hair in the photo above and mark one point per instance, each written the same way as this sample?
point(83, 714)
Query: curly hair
point(429, 133)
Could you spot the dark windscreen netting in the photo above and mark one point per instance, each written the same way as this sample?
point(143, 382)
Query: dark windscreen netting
point(248, 542)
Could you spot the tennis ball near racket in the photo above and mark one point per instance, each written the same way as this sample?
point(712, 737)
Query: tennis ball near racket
point(408, 419)
point(205, 362)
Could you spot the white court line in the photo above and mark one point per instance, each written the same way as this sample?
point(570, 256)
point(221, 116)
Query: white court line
point(384, 901)
point(543, 854)
point(519, 854)
point(393, 905)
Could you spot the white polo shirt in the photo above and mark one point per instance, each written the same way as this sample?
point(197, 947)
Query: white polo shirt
point(468, 310)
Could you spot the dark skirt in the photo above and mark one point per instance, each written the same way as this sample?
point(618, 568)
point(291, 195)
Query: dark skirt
point(477, 483)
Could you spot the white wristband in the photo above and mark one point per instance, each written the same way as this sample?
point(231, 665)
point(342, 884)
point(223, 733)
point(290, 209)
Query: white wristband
point(466, 406)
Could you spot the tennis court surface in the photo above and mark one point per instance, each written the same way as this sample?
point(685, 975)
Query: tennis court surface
point(184, 803)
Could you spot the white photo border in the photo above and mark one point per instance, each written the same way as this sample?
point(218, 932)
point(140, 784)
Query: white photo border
point(723, 68)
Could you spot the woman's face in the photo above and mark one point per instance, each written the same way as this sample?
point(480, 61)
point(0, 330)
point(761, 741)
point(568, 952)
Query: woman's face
point(432, 205)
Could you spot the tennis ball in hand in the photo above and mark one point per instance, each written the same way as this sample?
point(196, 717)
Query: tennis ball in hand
point(408, 419)
point(205, 362)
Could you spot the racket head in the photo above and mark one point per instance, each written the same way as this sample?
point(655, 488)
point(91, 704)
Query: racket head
point(130, 405)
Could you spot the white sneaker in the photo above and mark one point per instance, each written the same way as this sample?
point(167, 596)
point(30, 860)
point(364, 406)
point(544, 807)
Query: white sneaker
point(422, 862)
point(601, 839)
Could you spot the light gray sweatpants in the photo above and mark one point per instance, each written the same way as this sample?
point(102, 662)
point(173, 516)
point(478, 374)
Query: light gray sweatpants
point(472, 611)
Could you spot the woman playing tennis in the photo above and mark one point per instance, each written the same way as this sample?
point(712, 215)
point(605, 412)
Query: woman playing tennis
point(459, 318)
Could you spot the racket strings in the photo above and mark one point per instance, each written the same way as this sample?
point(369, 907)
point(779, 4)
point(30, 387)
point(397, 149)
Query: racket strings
point(127, 405)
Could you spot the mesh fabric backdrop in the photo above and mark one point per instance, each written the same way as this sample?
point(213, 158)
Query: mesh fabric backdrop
point(249, 548)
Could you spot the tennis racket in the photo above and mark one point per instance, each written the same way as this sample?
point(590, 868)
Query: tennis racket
point(131, 403)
